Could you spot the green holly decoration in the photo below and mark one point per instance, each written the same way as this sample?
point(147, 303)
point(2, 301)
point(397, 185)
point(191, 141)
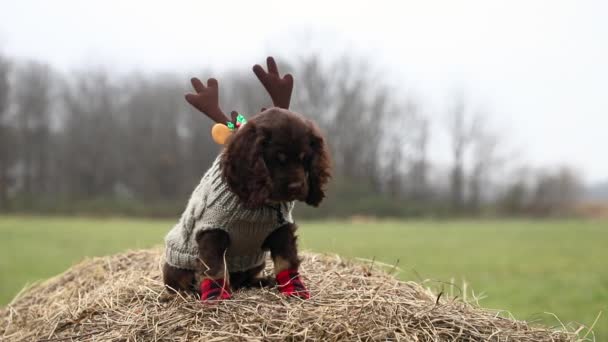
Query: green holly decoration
point(230, 126)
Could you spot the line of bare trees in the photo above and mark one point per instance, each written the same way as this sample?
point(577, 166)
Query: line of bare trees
point(94, 141)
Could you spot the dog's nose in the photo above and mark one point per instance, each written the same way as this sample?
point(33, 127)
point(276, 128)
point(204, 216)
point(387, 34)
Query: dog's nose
point(294, 185)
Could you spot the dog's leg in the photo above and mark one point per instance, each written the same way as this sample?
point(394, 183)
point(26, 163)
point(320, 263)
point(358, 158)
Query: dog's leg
point(177, 279)
point(284, 252)
point(212, 245)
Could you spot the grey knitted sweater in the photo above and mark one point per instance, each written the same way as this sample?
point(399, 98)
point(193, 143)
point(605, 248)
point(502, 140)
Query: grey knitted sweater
point(213, 206)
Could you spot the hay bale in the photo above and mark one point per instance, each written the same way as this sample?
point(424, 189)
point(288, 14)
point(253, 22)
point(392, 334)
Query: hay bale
point(121, 297)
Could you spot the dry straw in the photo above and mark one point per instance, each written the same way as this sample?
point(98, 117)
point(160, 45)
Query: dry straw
point(121, 298)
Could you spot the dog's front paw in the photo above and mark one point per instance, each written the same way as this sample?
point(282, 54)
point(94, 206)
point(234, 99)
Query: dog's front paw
point(214, 289)
point(290, 284)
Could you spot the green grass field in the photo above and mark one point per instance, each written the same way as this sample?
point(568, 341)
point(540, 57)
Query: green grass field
point(525, 267)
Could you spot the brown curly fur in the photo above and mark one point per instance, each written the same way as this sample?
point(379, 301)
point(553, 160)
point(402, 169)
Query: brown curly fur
point(277, 156)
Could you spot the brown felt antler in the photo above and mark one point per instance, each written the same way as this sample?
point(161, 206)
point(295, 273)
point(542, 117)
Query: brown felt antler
point(279, 88)
point(207, 100)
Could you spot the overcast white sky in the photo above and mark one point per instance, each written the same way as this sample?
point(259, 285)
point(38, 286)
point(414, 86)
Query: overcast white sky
point(540, 68)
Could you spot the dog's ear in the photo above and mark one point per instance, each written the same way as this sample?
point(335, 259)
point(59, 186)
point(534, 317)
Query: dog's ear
point(319, 170)
point(243, 166)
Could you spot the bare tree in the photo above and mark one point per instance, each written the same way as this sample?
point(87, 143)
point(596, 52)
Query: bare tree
point(416, 156)
point(153, 110)
point(556, 192)
point(7, 142)
point(462, 126)
point(485, 159)
point(91, 136)
point(350, 105)
point(314, 90)
point(516, 196)
point(33, 102)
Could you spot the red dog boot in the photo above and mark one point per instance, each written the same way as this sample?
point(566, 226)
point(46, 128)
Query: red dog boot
point(291, 285)
point(214, 289)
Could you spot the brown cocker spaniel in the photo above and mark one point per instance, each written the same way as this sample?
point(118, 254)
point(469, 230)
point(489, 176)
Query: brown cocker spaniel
point(242, 207)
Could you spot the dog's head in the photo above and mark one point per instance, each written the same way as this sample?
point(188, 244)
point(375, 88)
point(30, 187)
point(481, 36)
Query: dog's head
point(277, 156)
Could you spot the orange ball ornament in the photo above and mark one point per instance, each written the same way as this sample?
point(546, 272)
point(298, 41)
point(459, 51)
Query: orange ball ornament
point(220, 133)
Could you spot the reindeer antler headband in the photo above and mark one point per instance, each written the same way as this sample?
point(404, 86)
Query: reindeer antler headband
point(206, 99)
